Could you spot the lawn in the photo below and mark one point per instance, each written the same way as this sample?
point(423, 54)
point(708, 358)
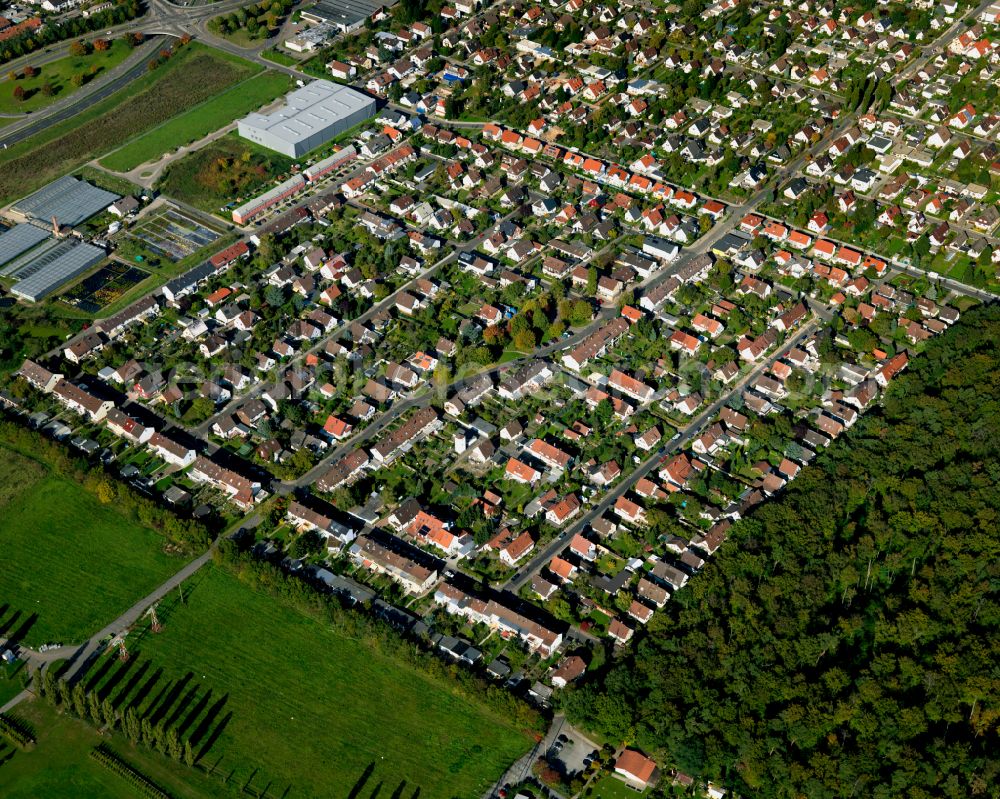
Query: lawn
point(11, 675)
point(194, 74)
point(70, 562)
point(215, 113)
point(281, 57)
point(303, 707)
point(222, 172)
point(613, 788)
point(58, 75)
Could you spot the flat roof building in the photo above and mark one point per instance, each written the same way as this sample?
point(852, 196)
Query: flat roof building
point(68, 199)
point(19, 239)
point(345, 15)
point(310, 117)
point(54, 268)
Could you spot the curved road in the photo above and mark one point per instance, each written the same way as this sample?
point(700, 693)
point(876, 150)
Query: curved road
point(79, 102)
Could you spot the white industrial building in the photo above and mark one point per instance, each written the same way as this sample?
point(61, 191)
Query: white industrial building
point(311, 116)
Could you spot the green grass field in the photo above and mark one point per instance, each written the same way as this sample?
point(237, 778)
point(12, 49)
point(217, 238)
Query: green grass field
point(194, 74)
point(192, 125)
point(280, 57)
point(613, 788)
point(302, 708)
point(221, 172)
point(59, 767)
point(10, 680)
point(58, 75)
point(73, 563)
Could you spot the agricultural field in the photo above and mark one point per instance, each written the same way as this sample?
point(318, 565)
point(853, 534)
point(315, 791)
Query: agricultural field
point(191, 76)
point(173, 234)
point(222, 172)
point(198, 122)
point(308, 710)
point(105, 286)
point(58, 76)
point(70, 564)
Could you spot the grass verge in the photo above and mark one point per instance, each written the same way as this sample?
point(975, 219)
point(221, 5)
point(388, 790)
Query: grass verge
point(58, 76)
point(198, 122)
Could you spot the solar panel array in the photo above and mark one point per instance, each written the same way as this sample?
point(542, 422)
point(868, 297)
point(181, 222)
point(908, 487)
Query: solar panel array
point(68, 199)
point(20, 239)
point(41, 276)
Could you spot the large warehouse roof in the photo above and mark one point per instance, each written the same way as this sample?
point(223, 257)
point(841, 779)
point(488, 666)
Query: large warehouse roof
point(310, 110)
point(57, 266)
point(18, 239)
point(346, 13)
point(68, 199)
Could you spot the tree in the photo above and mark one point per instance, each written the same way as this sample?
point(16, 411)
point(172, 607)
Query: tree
point(524, 340)
point(19, 93)
point(146, 731)
point(94, 708)
point(79, 48)
point(131, 726)
point(189, 756)
point(78, 79)
point(308, 543)
point(592, 281)
point(79, 700)
point(582, 312)
point(105, 492)
point(48, 90)
point(174, 747)
point(101, 45)
point(48, 685)
point(30, 71)
point(274, 296)
point(777, 633)
point(108, 715)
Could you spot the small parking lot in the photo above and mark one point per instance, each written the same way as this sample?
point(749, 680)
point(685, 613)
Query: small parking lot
point(573, 750)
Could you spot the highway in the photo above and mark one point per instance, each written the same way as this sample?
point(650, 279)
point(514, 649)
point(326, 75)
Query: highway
point(135, 67)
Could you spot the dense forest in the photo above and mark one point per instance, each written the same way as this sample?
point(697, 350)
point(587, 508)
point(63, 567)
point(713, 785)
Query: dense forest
point(846, 639)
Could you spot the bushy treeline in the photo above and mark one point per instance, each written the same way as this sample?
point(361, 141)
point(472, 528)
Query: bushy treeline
point(371, 632)
point(185, 535)
point(138, 728)
point(846, 639)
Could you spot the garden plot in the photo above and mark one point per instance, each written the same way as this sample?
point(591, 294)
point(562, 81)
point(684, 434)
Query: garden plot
point(173, 234)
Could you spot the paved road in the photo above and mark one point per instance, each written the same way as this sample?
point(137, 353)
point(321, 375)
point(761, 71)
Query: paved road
point(135, 67)
point(650, 464)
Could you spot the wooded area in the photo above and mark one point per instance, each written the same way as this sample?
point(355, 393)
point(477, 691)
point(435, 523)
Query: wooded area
point(845, 640)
